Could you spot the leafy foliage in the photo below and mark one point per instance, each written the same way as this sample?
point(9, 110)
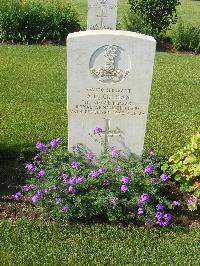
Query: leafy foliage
point(133, 22)
point(185, 165)
point(186, 38)
point(29, 21)
point(156, 15)
point(112, 187)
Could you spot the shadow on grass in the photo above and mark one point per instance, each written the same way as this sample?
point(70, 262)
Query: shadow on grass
point(12, 160)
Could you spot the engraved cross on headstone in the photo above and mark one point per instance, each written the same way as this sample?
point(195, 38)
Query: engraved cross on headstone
point(109, 133)
point(102, 14)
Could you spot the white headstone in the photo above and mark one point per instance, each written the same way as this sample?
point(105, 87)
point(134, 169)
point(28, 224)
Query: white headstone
point(109, 83)
point(102, 14)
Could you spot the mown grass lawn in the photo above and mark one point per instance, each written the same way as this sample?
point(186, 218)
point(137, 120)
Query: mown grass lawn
point(189, 12)
point(33, 99)
point(30, 243)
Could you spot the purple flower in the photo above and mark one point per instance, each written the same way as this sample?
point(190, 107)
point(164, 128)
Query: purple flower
point(29, 167)
point(80, 179)
point(165, 177)
point(175, 203)
point(124, 188)
point(167, 217)
point(42, 173)
point(165, 223)
point(75, 164)
point(98, 130)
point(54, 142)
point(192, 200)
point(18, 195)
point(94, 174)
point(35, 198)
point(101, 170)
point(115, 153)
point(72, 180)
point(140, 211)
point(158, 215)
point(28, 187)
point(90, 156)
point(71, 189)
point(118, 168)
point(58, 200)
point(160, 207)
point(125, 179)
point(139, 203)
point(152, 152)
point(46, 191)
point(144, 197)
point(65, 208)
point(39, 193)
point(53, 187)
point(114, 201)
point(41, 146)
point(153, 180)
point(162, 223)
point(65, 177)
point(106, 183)
point(148, 168)
point(36, 157)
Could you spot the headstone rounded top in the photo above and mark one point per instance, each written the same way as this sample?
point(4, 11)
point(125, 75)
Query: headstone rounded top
point(120, 33)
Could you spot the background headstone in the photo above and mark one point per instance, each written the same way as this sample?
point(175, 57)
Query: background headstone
point(109, 83)
point(102, 14)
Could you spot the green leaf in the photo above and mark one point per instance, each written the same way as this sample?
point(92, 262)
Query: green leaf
point(193, 206)
point(197, 170)
point(164, 167)
point(191, 159)
point(197, 193)
point(178, 177)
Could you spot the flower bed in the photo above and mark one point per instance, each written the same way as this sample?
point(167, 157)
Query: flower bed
point(113, 187)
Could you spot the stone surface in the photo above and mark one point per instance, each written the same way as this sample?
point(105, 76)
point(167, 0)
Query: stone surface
point(109, 83)
point(102, 14)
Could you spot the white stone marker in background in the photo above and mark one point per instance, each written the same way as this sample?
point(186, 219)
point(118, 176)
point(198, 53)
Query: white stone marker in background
point(102, 14)
point(109, 83)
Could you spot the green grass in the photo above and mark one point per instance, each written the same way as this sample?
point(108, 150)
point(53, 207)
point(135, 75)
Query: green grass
point(33, 96)
point(174, 107)
point(33, 99)
point(189, 12)
point(30, 243)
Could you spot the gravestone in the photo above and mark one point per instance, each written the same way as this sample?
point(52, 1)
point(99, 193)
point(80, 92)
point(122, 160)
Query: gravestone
point(102, 14)
point(109, 83)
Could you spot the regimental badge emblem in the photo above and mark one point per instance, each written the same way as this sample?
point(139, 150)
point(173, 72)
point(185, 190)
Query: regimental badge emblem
point(111, 72)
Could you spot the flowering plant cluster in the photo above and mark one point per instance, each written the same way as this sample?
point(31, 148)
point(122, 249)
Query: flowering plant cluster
point(185, 166)
point(112, 187)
